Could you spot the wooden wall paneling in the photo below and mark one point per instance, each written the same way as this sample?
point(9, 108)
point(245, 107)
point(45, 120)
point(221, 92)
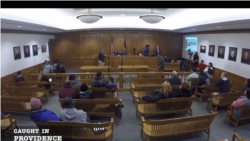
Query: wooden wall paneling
point(163, 42)
point(151, 61)
point(118, 40)
point(74, 45)
point(133, 41)
point(175, 44)
point(115, 61)
point(89, 42)
point(148, 38)
point(89, 61)
point(104, 41)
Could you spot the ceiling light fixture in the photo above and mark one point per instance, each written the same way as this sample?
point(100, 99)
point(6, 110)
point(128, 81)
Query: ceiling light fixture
point(152, 18)
point(193, 29)
point(44, 29)
point(59, 31)
point(89, 18)
point(218, 26)
point(19, 26)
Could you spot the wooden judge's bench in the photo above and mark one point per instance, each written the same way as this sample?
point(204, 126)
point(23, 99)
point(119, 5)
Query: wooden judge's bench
point(117, 64)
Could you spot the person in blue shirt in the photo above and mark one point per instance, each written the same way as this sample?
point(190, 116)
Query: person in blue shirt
point(145, 50)
point(98, 82)
point(37, 114)
point(203, 80)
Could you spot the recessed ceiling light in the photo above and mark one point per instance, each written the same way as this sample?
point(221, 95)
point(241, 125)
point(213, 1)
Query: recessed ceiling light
point(193, 29)
point(19, 26)
point(122, 15)
point(59, 31)
point(149, 29)
point(218, 26)
point(44, 29)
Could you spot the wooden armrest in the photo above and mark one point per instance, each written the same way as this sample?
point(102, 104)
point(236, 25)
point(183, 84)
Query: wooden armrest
point(237, 136)
point(137, 100)
point(120, 100)
point(142, 118)
point(112, 120)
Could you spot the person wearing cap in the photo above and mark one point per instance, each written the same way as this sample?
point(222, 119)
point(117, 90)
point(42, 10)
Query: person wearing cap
point(85, 93)
point(19, 77)
point(71, 114)
point(174, 80)
point(67, 91)
point(37, 114)
point(98, 82)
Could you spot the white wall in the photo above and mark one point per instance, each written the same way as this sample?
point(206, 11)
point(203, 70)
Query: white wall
point(8, 41)
point(239, 40)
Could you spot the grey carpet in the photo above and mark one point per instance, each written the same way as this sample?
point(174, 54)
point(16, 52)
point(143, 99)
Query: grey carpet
point(129, 129)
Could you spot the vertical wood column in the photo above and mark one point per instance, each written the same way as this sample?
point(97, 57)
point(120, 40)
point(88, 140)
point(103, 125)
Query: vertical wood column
point(121, 80)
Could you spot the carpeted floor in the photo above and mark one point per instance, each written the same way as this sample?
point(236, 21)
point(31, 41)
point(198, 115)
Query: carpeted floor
point(129, 129)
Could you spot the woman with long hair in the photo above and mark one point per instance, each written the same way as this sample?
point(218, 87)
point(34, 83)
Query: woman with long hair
point(42, 77)
point(209, 70)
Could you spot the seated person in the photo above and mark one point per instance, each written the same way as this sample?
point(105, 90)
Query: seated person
point(85, 93)
point(201, 66)
point(193, 74)
point(60, 68)
point(174, 80)
point(240, 102)
point(67, 91)
point(247, 86)
point(203, 80)
point(223, 83)
point(209, 70)
point(73, 81)
point(118, 52)
point(42, 77)
point(98, 82)
point(167, 59)
point(19, 77)
point(164, 92)
point(71, 114)
point(184, 90)
point(37, 114)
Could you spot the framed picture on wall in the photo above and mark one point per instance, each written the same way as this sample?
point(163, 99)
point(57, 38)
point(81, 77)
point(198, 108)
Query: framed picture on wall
point(221, 52)
point(35, 52)
point(44, 48)
point(211, 50)
point(232, 55)
point(245, 57)
point(26, 50)
point(17, 53)
point(202, 49)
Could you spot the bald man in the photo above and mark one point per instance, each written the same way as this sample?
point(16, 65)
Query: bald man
point(174, 80)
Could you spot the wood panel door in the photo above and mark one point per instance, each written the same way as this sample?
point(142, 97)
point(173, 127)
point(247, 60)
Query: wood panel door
point(133, 41)
point(163, 43)
point(149, 39)
point(89, 43)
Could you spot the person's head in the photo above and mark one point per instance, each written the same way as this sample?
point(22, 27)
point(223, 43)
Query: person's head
point(159, 55)
point(166, 87)
point(210, 64)
point(69, 102)
point(67, 83)
point(45, 62)
point(211, 49)
point(19, 73)
point(221, 50)
point(101, 50)
point(147, 46)
point(232, 52)
point(174, 73)
point(223, 75)
point(185, 86)
point(26, 49)
point(120, 51)
point(35, 104)
point(246, 55)
point(111, 79)
point(157, 47)
point(99, 74)
point(84, 87)
point(201, 62)
point(247, 93)
point(196, 53)
point(72, 77)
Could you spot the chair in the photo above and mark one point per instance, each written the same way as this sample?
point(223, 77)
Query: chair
point(6, 124)
point(234, 137)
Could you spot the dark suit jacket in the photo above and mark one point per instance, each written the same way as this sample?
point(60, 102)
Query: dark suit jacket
point(35, 53)
point(221, 55)
point(156, 52)
point(175, 81)
point(211, 53)
point(17, 56)
point(232, 58)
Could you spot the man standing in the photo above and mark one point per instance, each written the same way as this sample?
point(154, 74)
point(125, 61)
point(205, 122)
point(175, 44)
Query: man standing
point(161, 63)
point(157, 51)
point(145, 50)
point(101, 58)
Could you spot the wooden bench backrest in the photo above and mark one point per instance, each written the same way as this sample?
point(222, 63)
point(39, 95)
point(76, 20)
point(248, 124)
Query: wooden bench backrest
point(88, 105)
point(228, 98)
point(149, 88)
point(209, 88)
point(98, 92)
point(24, 91)
point(159, 74)
point(171, 104)
point(148, 81)
point(75, 130)
point(32, 83)
point(88, 81)
point(15, 104)
point(245, 112)
point(178, 125)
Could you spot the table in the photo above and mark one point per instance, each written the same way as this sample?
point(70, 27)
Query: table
point(133, 68)
point(172, 67)
point(94, 68)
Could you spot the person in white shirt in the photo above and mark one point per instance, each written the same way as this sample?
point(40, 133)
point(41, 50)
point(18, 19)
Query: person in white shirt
point(193, 74)
point(209, 70)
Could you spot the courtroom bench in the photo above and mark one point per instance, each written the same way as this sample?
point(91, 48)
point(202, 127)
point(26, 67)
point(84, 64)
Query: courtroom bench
point(77, 130)
point(101, 92)
point(40, 84)
point(98, 107)
point(19, 105)
point(165, 106)
point(177, 126)
point(206, 92)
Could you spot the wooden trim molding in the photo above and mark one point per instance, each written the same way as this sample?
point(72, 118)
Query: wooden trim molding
point(25, 32)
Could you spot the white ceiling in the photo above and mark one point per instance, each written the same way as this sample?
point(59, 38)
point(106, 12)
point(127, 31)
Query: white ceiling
point(176, 20)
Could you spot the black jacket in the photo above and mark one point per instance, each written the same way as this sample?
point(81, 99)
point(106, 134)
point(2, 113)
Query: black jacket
point(86, 95)
point(19, 79)
point(45, 78)
point(60, 70)
point(183, 93)
point(224, 86)
point(175, 81)
point(101, 56)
